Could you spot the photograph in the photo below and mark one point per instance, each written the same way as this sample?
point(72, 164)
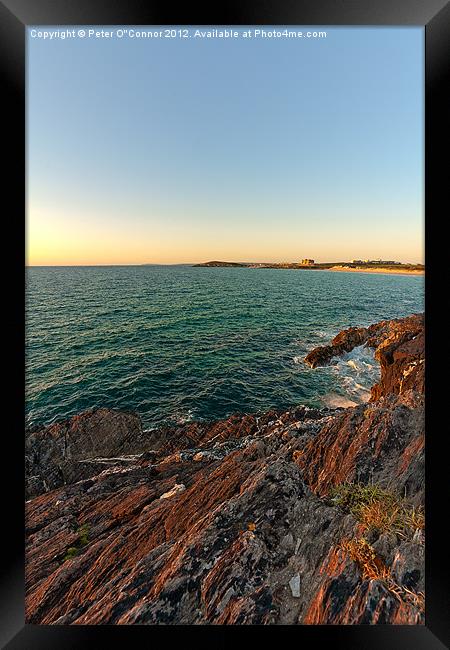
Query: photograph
point(224, 325)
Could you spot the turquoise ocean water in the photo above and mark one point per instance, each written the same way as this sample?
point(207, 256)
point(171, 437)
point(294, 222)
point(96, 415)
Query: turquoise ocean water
point(178, 343)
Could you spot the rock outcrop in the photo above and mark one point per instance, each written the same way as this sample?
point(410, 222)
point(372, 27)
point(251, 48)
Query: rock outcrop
point(399, 347)
point(234, 522)
point(77, 448)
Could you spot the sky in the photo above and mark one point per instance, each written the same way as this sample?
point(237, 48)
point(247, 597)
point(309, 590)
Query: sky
point(179, 150)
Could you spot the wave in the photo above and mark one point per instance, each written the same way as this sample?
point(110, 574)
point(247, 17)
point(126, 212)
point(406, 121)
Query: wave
point(357, 371)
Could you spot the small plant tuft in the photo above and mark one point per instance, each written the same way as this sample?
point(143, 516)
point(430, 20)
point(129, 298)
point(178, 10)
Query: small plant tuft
point(83, 533)
point(72, 552)
point(354, 496)
point(83, 540)
point(372, 567)
point(361, 552)
point(378, 509)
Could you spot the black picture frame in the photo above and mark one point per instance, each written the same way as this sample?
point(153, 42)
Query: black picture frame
point(15, 16)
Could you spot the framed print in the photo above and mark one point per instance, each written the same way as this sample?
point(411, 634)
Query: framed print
point(225, 416)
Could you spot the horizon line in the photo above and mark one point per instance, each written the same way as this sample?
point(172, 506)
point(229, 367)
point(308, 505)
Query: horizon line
point(205, 262)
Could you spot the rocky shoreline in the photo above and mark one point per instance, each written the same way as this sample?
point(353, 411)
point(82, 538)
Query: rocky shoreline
point(307, 516)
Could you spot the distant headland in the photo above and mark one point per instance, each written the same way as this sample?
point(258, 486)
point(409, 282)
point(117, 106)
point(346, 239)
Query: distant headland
point(368, 266)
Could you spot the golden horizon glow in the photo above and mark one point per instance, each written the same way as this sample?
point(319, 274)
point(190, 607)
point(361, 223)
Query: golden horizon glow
point(53, 241)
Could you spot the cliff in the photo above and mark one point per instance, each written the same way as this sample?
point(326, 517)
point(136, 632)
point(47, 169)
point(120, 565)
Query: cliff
point(304, 516)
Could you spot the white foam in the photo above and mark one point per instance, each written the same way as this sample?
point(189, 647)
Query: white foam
point(333, 400)
point(356, 371)
point(184, 418)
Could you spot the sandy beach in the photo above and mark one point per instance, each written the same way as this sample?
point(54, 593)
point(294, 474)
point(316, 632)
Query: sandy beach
point(348, 269)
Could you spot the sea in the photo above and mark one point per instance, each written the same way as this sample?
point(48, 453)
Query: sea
point(182, 343)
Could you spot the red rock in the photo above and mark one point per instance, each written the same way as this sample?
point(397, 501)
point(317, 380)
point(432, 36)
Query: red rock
point(208, 523)
point(399, 347)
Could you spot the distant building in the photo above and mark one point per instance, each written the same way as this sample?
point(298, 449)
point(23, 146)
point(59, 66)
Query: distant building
point(385, 262)
point(307, 262)
point(381, 262)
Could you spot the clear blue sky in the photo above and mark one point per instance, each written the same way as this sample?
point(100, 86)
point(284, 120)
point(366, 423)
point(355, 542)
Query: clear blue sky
point(182, 150)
